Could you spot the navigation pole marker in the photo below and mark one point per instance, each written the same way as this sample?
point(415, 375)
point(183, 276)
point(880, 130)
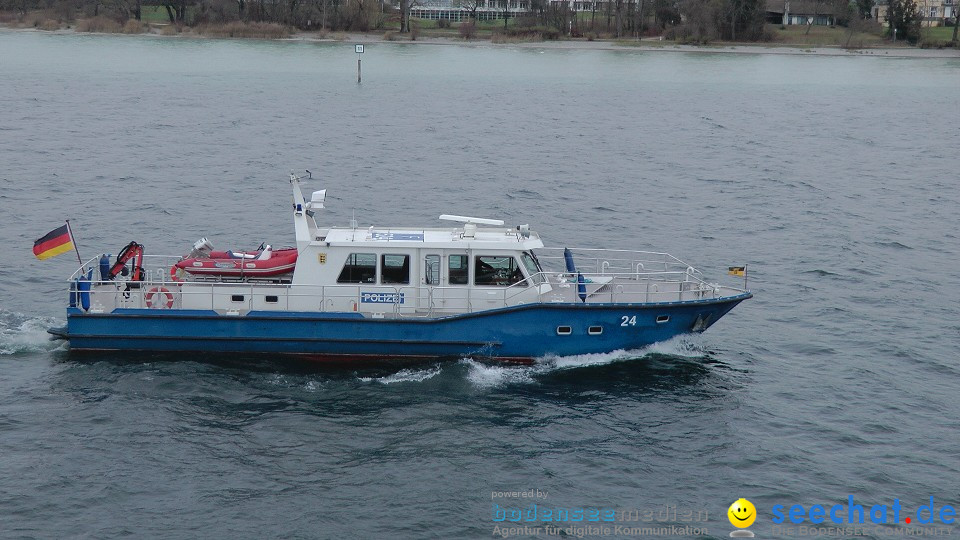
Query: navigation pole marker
point(359, 49)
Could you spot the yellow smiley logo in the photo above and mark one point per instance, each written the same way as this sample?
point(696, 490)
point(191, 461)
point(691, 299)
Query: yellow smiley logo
point(742, 513)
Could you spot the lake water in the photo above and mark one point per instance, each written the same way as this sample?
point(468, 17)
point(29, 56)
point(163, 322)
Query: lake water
point(834, 178)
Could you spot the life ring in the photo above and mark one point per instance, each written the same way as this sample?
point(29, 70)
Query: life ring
point(159, 298)
point(176, 273)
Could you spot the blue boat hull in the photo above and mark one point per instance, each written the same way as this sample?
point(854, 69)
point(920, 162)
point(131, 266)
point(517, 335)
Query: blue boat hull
point(519, 333)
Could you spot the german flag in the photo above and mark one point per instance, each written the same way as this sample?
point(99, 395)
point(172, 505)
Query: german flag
point(56, 242)
point(737, 270)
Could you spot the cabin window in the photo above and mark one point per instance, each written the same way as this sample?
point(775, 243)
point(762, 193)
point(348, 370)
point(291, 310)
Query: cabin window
point(497, 270)
point(359, 268)
point(272, 299)
point(662, 319)
point(457, 265)
point(595, 330)
point(395, 269)
point(236, 298)
point(533, 269)
point(564, 330)
point(431, 270)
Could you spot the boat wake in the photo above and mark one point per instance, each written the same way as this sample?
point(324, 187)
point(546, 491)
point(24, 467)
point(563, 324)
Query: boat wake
point(482, 374)
point(406, 375)
point(485, 375)
point(22, 334)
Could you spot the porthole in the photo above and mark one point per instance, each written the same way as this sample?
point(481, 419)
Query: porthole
point(272, 299)
point(564, 330)
point(237, 298)
point(595, 330)
point(662, 319)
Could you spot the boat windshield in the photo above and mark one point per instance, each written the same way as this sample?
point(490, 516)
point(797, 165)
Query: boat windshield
point(533, 268)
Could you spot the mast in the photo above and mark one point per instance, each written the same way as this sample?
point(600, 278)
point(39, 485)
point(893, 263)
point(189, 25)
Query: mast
point(303, 222)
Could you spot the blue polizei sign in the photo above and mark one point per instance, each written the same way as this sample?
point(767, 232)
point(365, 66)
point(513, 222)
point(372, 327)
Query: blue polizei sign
point(381, 298)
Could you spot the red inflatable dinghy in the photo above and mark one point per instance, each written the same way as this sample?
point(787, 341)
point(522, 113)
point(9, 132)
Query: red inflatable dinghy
point(263, 263)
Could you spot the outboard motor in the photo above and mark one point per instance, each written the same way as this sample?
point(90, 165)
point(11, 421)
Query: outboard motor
point(201, 249)
point(265, 253)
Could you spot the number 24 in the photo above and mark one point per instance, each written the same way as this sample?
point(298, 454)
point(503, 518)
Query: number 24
point(628, 321)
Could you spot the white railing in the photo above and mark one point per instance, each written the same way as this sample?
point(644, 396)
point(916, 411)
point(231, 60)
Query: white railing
point(610, 276)
point(613, 261)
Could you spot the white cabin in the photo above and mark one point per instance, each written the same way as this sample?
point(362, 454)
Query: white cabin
point(385, 272)
point(408, 271)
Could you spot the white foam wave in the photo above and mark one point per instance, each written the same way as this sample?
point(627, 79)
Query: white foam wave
point(19, 333)
point(405, 375)
point(484, 375)
point(688, 345)
point(583, 360)
point(490, 376)
point(679, 346)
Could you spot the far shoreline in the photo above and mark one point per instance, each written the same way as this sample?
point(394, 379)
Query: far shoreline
point(652, 45)
point(645, 45)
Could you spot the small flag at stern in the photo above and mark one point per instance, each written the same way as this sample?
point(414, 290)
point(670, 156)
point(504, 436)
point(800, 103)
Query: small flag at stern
point(737, 271)
point(55, 242)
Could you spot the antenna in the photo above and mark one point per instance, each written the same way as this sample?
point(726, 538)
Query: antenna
point(353, 220)
point(472, 220)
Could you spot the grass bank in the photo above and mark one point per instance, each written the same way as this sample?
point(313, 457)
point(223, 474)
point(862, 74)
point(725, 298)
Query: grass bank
point(937, 37)
point(828, 36)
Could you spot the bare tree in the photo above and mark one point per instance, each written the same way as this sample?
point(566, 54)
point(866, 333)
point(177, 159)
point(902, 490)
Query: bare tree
point(472, 6)
point(539, 8)
point(855, 25)
point(701, 17)
point(559, 16)
point(405, 7)
point(176, 11)
point(122, 8)
point(468, 29)
point(329, 11)
point(956, 24)
point(639, 22)
point(740, 19)
point(618, 17)
point(817, 7)
point(904, 17)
